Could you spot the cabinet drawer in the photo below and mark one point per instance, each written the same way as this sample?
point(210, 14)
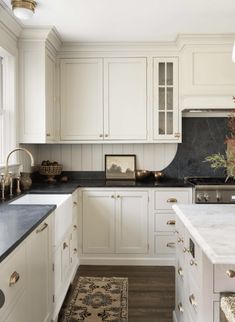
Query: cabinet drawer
point(165, 199)
point(224, 278)
point(164, 222)
point(164, 245)
point(13, 276)
point(192, 299)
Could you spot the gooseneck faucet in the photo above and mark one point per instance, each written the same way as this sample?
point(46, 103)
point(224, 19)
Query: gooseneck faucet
point(6, 177)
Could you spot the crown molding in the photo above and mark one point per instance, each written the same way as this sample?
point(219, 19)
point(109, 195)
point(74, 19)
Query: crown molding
point(8, 22)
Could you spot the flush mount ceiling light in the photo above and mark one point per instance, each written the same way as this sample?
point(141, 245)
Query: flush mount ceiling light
point(23, 9)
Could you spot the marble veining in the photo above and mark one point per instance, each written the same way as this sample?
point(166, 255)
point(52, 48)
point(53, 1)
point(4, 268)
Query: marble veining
point(213, 228)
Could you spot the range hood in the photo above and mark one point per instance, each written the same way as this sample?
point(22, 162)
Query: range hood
point(207, 106)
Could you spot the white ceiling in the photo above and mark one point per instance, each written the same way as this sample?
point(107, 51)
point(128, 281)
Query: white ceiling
point(133, 20)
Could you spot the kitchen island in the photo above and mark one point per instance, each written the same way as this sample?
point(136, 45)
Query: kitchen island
point(205, 260)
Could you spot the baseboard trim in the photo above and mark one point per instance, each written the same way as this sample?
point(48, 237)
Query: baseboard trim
point(174, 317)
point(126, 261)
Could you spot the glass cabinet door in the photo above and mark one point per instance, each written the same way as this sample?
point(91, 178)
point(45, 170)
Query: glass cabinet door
point(165, 93)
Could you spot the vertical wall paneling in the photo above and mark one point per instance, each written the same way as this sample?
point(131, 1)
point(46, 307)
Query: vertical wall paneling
point(90, 157)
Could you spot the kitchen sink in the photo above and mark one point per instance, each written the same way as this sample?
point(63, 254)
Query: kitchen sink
point(41, 199)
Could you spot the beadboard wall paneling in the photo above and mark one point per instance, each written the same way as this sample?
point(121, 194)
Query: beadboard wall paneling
point(90, 157)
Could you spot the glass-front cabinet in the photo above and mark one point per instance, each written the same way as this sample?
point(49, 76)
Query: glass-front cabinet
point(165, 99)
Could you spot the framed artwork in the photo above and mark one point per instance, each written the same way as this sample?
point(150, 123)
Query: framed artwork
point(120, 166)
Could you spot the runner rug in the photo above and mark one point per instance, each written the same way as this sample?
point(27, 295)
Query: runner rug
point(96, 299)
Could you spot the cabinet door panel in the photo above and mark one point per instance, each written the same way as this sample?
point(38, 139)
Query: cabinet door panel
point(98, 222)
point(19, 312)
point(125, 98)
point(81, 99)
point(131, 222)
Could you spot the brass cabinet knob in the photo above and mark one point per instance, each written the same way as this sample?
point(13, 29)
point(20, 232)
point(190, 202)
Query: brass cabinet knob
point(75, 227)
point(101, 135)
point(180, 271)
point(192, 300)
point(113, 196)
point(170, 245)
point(40, 229)
point(14, 278)
point(186, 250)
point(75, 203)
point(118, 196)
point(65, 245)
point(170, 222)
point(180, 307)
point(180, 240)
point(172, 200)
point(48, 134)
point(106, 135)
point(193, 262)
point(75, 250)
point(230, 273)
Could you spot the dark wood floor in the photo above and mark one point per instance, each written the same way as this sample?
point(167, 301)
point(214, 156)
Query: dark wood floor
point(151, 289)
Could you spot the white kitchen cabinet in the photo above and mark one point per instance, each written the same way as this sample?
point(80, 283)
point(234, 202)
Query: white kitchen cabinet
point(166, 123)
point(39, 272)
point(81, 87)
point(115, 222)
point(98, 221)
point(37, 90)
point(100, 98)
point(19, 311)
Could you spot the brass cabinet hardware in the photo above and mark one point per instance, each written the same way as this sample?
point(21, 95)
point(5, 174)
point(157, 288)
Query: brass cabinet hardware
point(180, 271)
point(65, 245)
point(40, 229)
point(180, 240)
point(177, 135)
point(172, 200)
point(170, 245)
point(75, 203)
point(112, 196)
point(186, 250)
point(170, 222)
point(48, 134)
point(101, 135)
point(106, 135)
point(230, 273)
point(192, 300)
point(118, 196)
point(75, 227)
point(75, 250)
point(14, 278)
point(180, 307)
point(193, 262)
point(176, 231)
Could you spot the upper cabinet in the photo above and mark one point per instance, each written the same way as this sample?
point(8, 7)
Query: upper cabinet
point(104, 99)
point(165, 99)
point(37, 86)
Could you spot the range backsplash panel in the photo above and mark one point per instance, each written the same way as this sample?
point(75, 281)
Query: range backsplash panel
point(201, 137)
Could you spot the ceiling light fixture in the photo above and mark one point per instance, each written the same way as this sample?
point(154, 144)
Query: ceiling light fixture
point(23, 9)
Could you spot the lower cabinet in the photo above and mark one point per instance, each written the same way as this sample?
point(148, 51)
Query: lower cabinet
point(115, 221)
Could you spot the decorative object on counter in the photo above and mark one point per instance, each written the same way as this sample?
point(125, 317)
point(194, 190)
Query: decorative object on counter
point(25, 180)
point(50, 169)
point(142, 175)
point(95, 299)
point(64, 179)
point(227, 161)
point(120, 166)
point(158, 175)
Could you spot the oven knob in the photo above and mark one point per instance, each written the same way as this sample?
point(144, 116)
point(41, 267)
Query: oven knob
point(199, 197)
point(206, 197)
point(218, 196)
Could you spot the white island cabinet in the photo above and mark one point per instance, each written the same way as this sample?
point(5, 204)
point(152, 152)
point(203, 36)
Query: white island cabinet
point(205, 260)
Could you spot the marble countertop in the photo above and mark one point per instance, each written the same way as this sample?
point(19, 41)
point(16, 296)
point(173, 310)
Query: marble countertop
point(17, 222)
point(213, 228)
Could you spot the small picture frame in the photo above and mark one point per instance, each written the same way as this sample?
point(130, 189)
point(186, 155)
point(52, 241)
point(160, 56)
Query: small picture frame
point(120, 166)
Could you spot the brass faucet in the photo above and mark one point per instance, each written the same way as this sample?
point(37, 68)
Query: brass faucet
point(6, 178)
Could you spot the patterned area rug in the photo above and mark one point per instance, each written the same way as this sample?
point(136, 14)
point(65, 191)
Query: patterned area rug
point(96, 299)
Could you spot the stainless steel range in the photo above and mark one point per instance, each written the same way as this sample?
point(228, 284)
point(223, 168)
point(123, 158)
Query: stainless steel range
point(212, 190)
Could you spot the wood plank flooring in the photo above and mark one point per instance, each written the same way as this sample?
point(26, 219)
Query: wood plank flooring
point(151, 289)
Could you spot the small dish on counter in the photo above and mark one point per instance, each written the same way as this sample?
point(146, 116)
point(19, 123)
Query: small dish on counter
point(158, 175)
point(142, 175)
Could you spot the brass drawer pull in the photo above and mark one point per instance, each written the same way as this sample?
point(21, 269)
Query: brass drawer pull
point(14, 278)
point(48, 134)
point(180, 307)
point(170, 222)
point(180, 271)
point(177, 135)
point(193, 262)
point(170, 245)
point(171, 200)
point(192, 300)
point(230, 273)
point(65, 245)
point(40, 229)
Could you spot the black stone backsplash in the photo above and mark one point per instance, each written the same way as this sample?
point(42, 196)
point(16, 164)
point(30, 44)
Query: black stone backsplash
point(201, 137)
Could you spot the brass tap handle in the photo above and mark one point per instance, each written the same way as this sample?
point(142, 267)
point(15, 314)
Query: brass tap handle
point(40, 229)
point(230, 273)
point(172, 200)
point(14, 278)
point(170, 222)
